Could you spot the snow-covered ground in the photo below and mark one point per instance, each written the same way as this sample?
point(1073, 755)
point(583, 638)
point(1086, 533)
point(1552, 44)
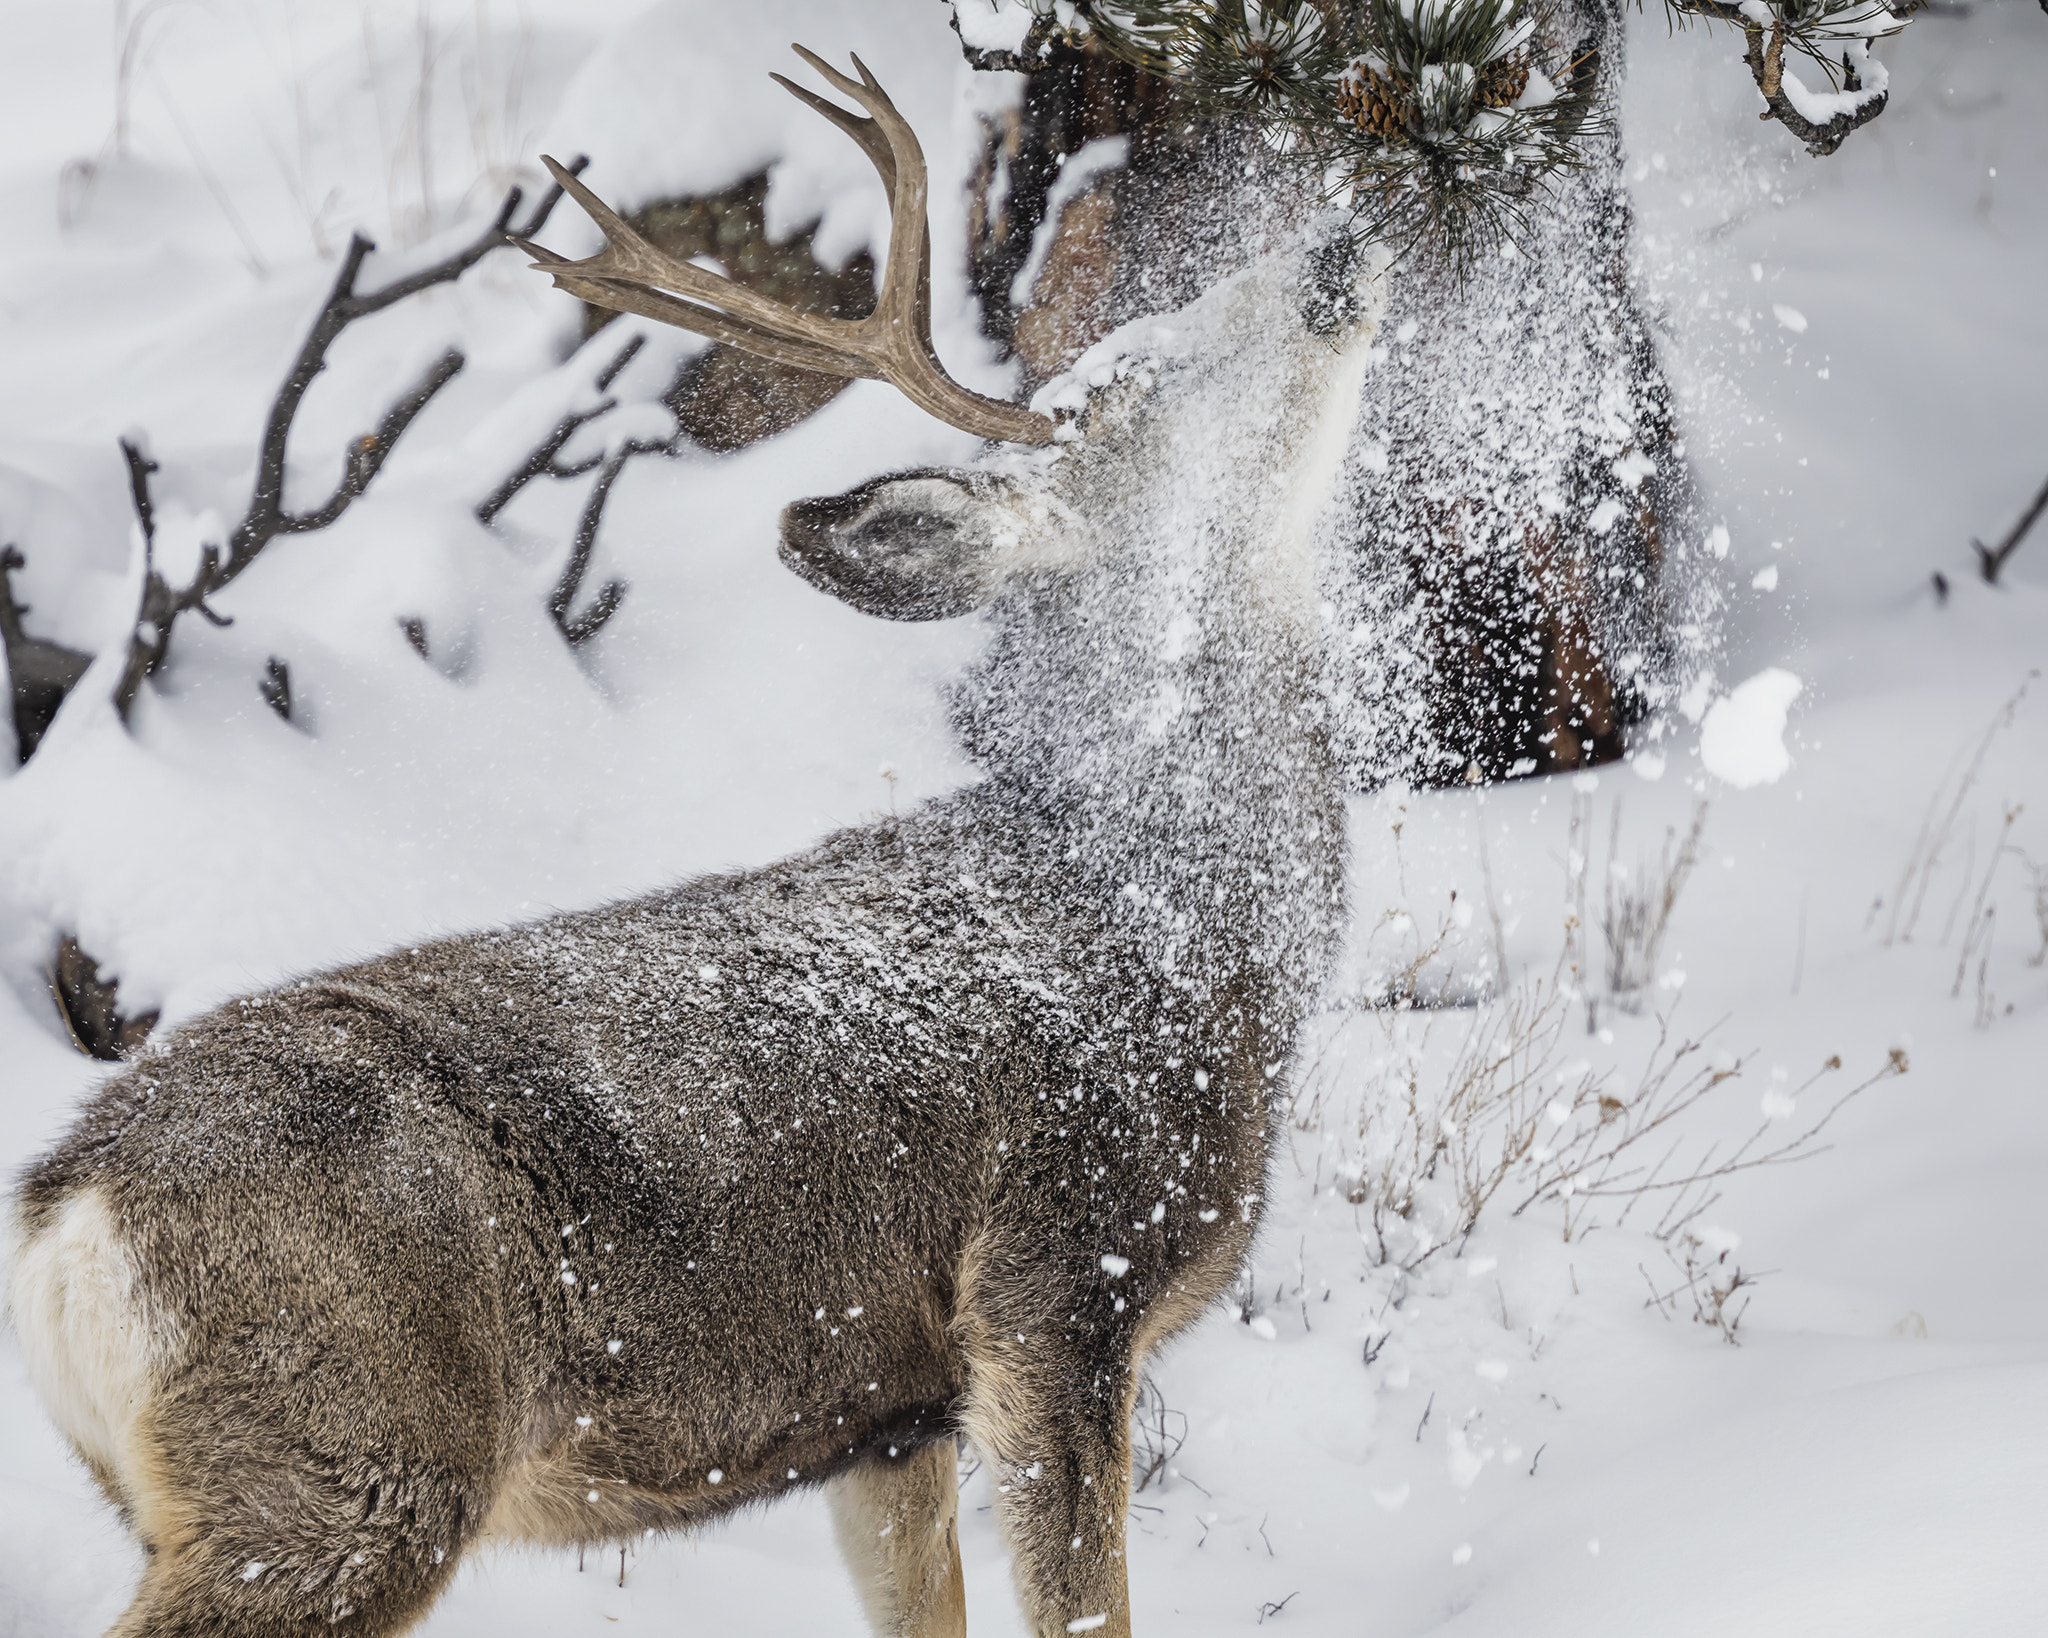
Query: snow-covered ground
point(1509, 1435)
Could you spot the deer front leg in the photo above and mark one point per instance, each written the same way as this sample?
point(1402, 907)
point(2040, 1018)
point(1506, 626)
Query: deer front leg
point(1056, 1433)
point(897, 1522)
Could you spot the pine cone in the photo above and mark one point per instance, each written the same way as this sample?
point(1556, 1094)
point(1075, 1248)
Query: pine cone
point(1501, 82)
point(1372, 102)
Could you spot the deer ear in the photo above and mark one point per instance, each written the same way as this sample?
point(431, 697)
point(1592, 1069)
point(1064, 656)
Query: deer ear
point(916, 546)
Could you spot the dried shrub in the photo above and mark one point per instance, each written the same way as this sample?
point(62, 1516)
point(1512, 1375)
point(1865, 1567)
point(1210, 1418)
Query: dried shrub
point(1491, 1112)
point(1637, 907)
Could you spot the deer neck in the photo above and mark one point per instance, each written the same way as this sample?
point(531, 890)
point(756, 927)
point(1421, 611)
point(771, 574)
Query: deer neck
point(1162, 714)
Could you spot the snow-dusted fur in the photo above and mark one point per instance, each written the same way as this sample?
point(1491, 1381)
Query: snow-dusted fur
point(623, 1219)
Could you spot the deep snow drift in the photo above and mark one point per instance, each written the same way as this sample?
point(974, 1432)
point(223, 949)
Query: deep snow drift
point(1511, 1434)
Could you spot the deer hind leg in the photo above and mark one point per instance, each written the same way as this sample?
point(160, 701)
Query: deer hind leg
point(269, 1517)
point(1056, 1432)
point(898, 1525)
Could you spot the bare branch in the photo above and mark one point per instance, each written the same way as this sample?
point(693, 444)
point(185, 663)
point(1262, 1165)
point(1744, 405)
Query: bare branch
point(151, 634)
point(267, 516)
point(1991, 559)
point(544, 459)
point(578, 629)
point(366, 456)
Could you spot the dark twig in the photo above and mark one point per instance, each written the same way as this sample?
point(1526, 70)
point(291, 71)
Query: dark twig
point(276, 687)
point(1991, 559)
point(1155, 1440)
point(39, 672)
point(268, 516)
point(543, 461)
point(578, 629)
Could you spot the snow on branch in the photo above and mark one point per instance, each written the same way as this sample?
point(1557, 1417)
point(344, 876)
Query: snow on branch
point(1835, 35)
point(1441, 120)
point(1437, 121)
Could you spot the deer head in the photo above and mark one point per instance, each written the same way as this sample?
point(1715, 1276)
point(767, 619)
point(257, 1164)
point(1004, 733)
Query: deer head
point(1144, 530)
point(935, 544)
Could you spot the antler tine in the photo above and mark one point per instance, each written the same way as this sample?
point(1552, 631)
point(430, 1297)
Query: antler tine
point(861, 90)
point(892, 344)
point(908, 185)
point(862, 130)
point(868, 133)
point(636, 299)
point(627, 258)
point(901, 324)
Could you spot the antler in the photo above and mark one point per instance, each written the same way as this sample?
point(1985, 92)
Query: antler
point(893, 344)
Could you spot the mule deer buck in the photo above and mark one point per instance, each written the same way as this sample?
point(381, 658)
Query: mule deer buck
point(624, 1219)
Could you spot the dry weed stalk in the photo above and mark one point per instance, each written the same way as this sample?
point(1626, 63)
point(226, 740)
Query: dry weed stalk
point(1636, 913)
point(1709, 1280)
point(1401, 984)
point(1982, 923)
point(2039, 875)
point(1937, 826)
point(1157, 1433)
point(1507, 1119)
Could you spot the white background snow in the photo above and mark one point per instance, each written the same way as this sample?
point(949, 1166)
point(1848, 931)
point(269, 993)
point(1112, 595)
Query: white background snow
point(1861, 350)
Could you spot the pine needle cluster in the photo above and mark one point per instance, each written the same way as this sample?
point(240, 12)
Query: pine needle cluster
point(1443, 121)
point(1434, 120)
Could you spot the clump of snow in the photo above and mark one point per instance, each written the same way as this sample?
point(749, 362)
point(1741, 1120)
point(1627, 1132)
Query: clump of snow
point(994, 25)
point(1077, 175)
point(1742, 737)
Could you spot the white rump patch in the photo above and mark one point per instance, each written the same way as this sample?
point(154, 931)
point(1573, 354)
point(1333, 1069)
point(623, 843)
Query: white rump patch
point(92, 1353)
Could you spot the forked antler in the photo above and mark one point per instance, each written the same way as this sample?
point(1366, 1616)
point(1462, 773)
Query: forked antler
point(893, 343)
